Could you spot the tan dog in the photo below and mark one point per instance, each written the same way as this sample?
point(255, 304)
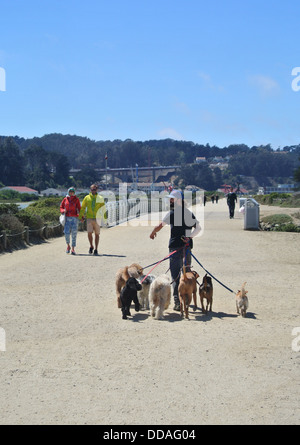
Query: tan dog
point(186, 289)
point(123, 274)
point(242, 302)
point(206, 291)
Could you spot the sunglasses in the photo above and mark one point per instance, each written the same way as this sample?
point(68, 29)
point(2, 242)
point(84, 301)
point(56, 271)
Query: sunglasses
point(94, 190)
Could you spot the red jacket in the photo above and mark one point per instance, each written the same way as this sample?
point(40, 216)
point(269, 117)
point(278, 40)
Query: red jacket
point(72, 206)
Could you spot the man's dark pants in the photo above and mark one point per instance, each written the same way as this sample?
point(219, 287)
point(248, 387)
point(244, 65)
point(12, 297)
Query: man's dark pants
point(183, 256)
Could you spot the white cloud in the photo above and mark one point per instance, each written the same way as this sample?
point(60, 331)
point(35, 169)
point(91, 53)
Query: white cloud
point(170, 133)
point(265, 84)
point(182, 107)
point(209, 83)
point(2, 79)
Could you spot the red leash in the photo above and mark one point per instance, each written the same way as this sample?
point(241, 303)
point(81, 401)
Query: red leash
point(170, 254)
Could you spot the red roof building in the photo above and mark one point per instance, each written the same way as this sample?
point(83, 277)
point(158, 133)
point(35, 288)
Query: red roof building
point(21, 189)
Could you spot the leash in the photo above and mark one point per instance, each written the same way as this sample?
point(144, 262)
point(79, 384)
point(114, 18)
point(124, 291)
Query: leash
point(188, 248)
point(157, 263)
point(230, 290)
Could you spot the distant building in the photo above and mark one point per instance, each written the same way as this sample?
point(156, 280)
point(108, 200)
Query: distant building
point(200, 160)
point(280, 188)
point(225, 188)
point(21, 189)
point(52, 192)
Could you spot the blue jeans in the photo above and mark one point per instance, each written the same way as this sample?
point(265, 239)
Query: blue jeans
point(71, 227)
point(177, 260)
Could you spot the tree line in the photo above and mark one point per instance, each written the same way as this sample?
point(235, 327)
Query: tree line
point(46, 161)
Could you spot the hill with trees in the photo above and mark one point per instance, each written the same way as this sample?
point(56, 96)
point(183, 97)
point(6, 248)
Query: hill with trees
point(45, 161)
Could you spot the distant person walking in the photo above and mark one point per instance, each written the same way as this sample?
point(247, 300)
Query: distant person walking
point(94, 207)
point(231, 200)
point(70, 206)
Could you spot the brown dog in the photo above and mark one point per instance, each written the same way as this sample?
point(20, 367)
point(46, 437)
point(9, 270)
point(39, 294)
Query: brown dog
point(123, 274)
point(186, 289)
point(242, 302)
point(206, 291)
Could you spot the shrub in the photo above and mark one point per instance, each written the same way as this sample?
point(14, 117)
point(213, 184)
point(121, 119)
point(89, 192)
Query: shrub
point(290, 227)
point(9, 209)
point(8, 194)
point(25, 197)
point(12, 226)
point(277, 219)
point(34, 222)
point(47, 209)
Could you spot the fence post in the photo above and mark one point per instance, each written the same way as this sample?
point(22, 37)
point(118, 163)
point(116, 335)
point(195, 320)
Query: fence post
point(4, 239)
point(46, 231)
point(26, 234)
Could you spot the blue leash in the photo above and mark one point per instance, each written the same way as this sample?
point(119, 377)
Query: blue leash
point(230, 290)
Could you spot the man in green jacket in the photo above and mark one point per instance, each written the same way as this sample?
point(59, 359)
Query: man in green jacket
point(94, 207)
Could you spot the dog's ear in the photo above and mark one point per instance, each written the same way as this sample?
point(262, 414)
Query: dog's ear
point(134, 284)
point(125, 274)
point(131, 283)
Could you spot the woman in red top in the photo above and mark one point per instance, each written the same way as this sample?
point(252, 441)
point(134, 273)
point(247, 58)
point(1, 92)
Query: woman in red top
point(70, 206)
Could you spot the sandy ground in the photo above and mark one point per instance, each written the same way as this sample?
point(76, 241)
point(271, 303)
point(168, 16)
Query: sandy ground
point(71, 359)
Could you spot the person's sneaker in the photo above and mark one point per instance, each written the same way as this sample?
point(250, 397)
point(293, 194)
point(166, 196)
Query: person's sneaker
point(176, 307)
point(91, 250)
point(68, 249)
point(73, 252)
point(95, 252)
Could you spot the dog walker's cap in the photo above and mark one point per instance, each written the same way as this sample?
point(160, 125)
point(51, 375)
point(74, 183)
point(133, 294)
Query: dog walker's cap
point(71, 189)
point(175, 194)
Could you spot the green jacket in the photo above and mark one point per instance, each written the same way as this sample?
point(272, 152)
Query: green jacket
point(94, 207)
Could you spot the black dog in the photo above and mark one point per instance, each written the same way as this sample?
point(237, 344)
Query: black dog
point(129, 294)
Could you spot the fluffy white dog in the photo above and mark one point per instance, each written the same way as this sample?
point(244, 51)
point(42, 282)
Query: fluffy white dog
point(143, 295)
point(159, 296)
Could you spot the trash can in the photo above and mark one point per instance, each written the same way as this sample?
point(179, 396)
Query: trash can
point(242, 201)
point(251, 217)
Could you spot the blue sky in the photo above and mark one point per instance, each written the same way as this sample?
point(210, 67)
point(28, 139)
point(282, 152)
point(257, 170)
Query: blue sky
point(217, 72)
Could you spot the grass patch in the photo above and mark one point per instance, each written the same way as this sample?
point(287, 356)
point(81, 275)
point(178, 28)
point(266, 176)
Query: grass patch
point(277, 219)
point(279, 199)
point(279, 223)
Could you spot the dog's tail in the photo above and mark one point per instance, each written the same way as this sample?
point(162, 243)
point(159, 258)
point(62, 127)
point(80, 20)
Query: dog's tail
point(244, 292)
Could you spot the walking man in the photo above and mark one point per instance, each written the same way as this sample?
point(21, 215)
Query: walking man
point(231, 200)
point(181, 221)
point(94, 206)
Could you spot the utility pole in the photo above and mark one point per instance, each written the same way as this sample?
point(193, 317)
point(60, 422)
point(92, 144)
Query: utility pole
point(106, 171)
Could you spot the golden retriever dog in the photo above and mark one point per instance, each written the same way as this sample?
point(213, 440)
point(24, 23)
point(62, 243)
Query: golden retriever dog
point(187, 289)
point(123, 274)
point(242, 302)
point(159, 296)
point(206, 291)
